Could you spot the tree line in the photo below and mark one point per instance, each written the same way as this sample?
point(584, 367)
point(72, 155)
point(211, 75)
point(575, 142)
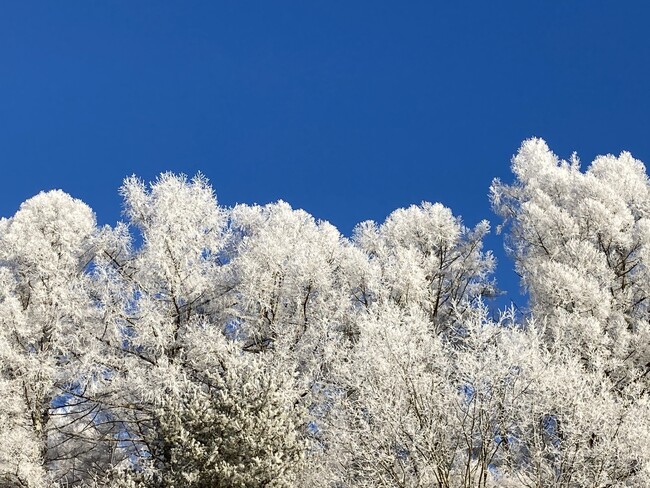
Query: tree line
point(194, 345)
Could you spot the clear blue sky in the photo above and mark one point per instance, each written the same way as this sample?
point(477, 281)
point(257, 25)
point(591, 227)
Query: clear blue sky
point(346, 109)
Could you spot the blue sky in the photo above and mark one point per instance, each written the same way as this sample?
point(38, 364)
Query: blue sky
point(346, 109)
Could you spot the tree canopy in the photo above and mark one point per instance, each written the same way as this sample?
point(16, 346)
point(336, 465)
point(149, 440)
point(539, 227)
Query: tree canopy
point(195, 345)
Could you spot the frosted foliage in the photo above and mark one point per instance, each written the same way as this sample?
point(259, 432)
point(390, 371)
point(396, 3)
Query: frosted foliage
point(425, 256)
point(182, 229)
point(256, 346)
point(580, 242)
point(234, 428)
point(47, 319)
point(424, 413)
point(49, 235)
point(298, 285)
point(173, 280)
point(500, 410)
point(195, 404)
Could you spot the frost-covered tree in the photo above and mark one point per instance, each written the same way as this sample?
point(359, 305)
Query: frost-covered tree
point(234, 427)
point(298, 281)
point(48, 356)
point(425, 412)
point(240, 430)
point(581, 243)
point(426, 272)
point(156, 296)
point(426, 257)
point(181, 382)
point(299, 288)
point(495, 409)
